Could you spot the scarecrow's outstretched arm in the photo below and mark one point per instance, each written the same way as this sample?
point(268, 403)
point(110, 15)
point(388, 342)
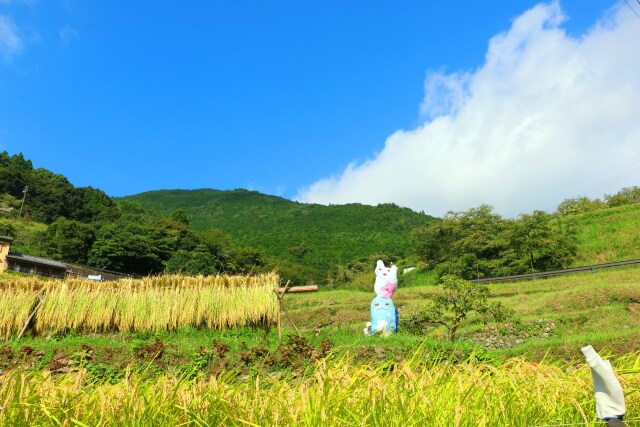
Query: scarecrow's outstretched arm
point(608, 392)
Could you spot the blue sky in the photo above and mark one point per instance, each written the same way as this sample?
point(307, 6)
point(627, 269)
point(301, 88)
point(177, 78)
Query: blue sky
point(287, 98)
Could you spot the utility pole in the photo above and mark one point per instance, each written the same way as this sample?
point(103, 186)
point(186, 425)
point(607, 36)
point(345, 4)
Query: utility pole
point(26, 188)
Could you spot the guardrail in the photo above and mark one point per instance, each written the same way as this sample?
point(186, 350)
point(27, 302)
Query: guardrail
point(542, 274)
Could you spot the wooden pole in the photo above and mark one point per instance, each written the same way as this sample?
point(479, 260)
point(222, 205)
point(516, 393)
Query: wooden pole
point(279, 309)
point(296, 289)
point(289, 319)
point(280, 294)
point(26, 188)
point(33, 313)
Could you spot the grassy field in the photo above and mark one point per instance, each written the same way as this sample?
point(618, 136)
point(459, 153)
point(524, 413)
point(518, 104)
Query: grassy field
point(608, 235)
point(528, 371)
point(556, 315)
point(600, 308)
point(26, 235)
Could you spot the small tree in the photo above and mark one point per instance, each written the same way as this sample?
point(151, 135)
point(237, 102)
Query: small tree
point(453, 306)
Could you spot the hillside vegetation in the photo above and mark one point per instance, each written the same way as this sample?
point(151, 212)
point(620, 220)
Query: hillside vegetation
point(337, 244)
point(210, 231)
point(27, 235)
point(308, 241)
point(608, 235)
point(47, 216)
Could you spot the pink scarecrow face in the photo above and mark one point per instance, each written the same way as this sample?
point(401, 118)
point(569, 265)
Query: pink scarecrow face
point(388, 289)
point(386, 280)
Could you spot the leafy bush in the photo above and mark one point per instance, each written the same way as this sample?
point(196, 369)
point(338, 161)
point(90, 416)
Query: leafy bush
point(626, 196)
point(579, 205)
point(453, 307)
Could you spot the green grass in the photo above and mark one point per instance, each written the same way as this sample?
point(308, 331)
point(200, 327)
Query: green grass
point(169, 378)
point(608, 235)
point(600, 308)
point(26, 235)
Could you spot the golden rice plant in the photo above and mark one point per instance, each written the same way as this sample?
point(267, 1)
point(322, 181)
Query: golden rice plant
point(339, 392)
point(152, 303)
point(17, 301)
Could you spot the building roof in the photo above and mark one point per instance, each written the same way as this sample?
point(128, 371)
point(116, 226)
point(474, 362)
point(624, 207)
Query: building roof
point(6, 238)
point(35, 260)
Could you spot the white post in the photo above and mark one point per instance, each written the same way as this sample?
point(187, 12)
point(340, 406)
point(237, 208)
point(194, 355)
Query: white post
point(26, 188)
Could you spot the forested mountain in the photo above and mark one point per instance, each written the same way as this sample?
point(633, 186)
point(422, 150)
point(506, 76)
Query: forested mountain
point(209, 231)
point(84, 225)
point(197, 232)
point(306, 241)
point(50, 195)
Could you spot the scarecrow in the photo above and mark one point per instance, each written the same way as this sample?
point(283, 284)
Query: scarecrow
point(384, 316)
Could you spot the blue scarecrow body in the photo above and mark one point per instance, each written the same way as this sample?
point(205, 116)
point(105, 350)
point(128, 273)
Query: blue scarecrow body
point(384, 316)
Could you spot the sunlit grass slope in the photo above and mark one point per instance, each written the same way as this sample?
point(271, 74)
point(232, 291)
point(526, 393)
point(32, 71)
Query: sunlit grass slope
point(608, 235)
point(587, 308)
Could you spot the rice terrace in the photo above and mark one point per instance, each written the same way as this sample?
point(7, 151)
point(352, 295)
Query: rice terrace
point(220, 334)
point(319, 214)
point(190, 358)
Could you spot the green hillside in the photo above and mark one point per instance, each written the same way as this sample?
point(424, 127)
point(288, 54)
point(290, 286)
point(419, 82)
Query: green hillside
point(608, 235)
point(210, 231)
point(313, 239)
point(27, 235)
point(308, 241)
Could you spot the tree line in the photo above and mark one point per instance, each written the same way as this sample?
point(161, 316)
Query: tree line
point(480, 243)
point(303, 242)
point(580, 205)
point(306, 243)
point(86, 226)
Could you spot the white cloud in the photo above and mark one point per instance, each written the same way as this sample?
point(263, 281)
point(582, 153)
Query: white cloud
point(10, 40)
point(28, 2)
point(546, 117)
point(67, 34)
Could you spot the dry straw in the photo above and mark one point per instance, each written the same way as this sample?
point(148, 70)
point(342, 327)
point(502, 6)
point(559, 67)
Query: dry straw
point(153, 303)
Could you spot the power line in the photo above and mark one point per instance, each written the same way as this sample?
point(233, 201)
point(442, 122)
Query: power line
point(613, 178)
point(634, 11)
